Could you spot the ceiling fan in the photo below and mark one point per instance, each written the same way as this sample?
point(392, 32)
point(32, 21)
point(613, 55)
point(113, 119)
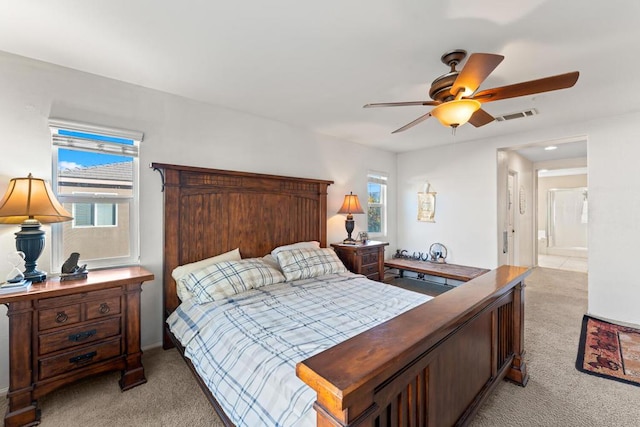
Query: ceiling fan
point(454, 94)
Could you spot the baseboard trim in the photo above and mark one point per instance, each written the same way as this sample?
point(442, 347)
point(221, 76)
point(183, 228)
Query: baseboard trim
point(4, 391)
point(152, 346)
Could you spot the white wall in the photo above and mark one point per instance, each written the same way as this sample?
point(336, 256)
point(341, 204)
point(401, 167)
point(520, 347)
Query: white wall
point(522, 244)
point(177, 131)
point(466, 214)
point(464, 178)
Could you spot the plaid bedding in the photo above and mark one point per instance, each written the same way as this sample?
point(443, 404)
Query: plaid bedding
point(246, 347)
point(306, 263)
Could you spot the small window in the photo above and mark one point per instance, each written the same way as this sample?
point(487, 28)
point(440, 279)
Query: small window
point(95, 176)
point(95, 214)
point(377, 204)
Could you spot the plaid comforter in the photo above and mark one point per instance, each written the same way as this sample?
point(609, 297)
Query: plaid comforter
point(246, 348)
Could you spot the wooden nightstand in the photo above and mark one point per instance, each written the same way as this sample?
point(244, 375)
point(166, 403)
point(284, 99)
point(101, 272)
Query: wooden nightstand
point(363, 258)
point(60, 332)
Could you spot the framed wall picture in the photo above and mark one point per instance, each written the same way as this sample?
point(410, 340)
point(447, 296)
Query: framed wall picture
point(522, 200)
point(427, 206)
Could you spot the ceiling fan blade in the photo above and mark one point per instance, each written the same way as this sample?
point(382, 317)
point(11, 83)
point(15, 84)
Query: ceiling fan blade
point(400, 104)
point(413, 123)
point(476, 69)
point(481, 118)
point(561, 81)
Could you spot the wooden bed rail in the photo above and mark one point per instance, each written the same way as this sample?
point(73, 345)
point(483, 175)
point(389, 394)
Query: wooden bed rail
point(433, 365)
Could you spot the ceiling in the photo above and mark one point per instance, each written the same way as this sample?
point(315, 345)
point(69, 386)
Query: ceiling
point(314, 64)
point(539, 153)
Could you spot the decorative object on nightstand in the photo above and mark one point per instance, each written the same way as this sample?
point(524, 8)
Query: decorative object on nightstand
point(350, 206)
point(363, 258)
point(30, 202)
point(62, 332)
point(71, 270)
point(15, 279)
point(16, 259)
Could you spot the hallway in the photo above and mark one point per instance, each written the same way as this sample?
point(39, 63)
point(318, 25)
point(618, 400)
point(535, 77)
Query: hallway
point(563, 262)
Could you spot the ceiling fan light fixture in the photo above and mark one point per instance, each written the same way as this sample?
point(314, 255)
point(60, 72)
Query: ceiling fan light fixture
point(455, 113)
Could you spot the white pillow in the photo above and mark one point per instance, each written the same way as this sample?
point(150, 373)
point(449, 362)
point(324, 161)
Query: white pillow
point(300, 245)
point(271, 260)
point(179, 273)
point(227, 278)
point(182, 291)
point(305, 263)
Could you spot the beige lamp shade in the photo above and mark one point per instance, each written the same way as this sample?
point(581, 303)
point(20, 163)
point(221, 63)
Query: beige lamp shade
point(31, 198)
point(351, 205)
point(455, 113)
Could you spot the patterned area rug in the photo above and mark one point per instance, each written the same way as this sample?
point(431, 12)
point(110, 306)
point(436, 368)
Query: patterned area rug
point(609, 350)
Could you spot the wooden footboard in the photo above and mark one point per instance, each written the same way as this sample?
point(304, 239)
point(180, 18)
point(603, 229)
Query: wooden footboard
point(433, 365)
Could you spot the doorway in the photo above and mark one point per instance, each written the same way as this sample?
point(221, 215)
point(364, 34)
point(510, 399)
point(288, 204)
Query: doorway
point(563, 216)
point(523, 197)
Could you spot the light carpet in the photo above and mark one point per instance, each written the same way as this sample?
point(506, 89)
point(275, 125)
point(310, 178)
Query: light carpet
point(557, 394)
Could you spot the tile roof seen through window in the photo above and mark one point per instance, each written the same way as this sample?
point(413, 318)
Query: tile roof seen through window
point(122, 171)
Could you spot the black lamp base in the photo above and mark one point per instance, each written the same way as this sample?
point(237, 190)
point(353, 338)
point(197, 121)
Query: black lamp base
point(35, 276)
point(30, 241)
point(349, 224)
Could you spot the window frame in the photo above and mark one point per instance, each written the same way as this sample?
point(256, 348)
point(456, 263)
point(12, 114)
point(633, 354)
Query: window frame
point(101, 147)
point(381, 178)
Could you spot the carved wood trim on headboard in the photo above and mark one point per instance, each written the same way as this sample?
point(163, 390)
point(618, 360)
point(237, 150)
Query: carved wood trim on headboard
point(209, 211)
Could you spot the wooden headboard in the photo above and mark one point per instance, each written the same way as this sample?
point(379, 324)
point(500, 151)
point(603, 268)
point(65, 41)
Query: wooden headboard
point(209, 211)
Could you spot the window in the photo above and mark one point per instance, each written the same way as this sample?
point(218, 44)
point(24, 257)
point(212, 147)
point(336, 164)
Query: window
point(377, 204)
point(95, 176)
point(95, 214)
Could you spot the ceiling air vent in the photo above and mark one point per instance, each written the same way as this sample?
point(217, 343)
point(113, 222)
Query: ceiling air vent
point(518, 115)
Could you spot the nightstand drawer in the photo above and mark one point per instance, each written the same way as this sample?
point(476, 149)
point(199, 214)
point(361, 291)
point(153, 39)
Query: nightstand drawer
point(56, 365)
point(370, 270)
point(370, 258)
point(59, 316)
point(103, 307)
point(79, 335)
point(78, 298)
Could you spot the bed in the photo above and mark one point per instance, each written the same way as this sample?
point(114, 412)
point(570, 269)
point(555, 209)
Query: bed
point(433, 364)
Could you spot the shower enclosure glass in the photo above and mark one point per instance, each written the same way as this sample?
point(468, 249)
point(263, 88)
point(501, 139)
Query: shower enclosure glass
point(567, 217)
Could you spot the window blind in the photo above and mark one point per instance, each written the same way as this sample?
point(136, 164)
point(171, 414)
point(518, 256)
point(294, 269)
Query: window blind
point(94, 138)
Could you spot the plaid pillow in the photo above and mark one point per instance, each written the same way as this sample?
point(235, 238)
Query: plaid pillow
point(228, 278)
point(305, 263)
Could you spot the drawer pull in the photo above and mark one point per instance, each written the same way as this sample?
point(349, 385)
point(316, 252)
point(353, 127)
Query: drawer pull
point(83, 358)
point(81, 336)
point(104, 308)
point(61, 317)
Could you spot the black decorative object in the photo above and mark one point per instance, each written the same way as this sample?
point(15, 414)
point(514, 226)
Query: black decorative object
point(71, 270)
point(402, 254)
point(30, 202)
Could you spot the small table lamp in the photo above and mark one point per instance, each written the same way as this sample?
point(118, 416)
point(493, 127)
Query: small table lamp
point(350, 206)
point(30, 202)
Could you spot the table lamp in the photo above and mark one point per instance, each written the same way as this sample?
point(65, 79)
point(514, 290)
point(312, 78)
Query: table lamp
point(350, 206)
point(30, 202)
